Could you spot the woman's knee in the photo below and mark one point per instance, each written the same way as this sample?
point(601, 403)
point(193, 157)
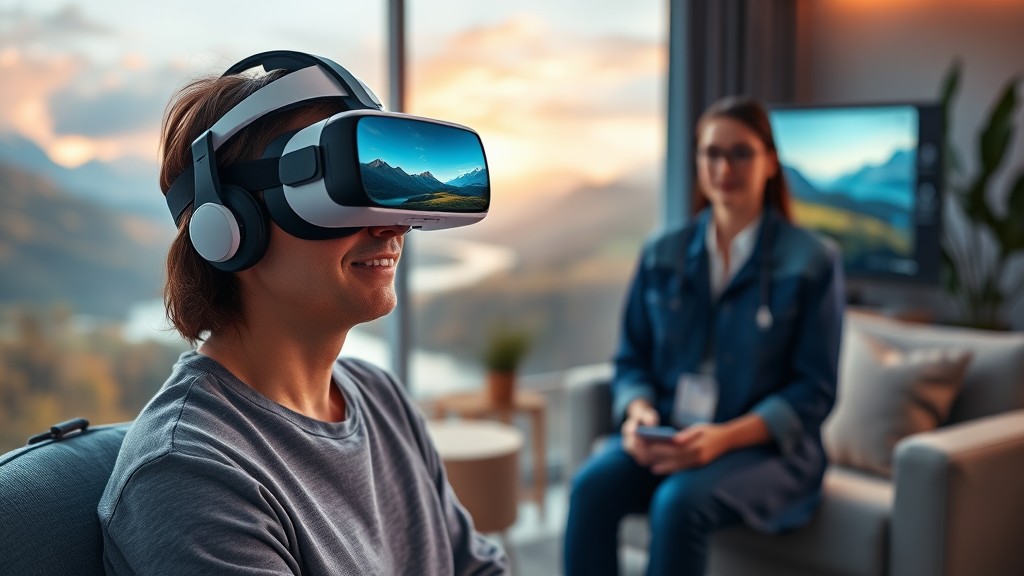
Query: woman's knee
point(680, 500)
point(604, 479)
point(591, 484)
point(679, 494)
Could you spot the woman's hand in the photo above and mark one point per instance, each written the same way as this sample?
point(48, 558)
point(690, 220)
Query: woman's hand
point(638, 413)
point(692, 447)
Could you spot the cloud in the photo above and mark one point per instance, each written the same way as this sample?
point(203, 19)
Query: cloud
point(71, 19)
point(78, 110)
point(522, 64)
point(548, 100)
point(48, 79)
point(21, 29)
point(134, 101)
point(31, 79)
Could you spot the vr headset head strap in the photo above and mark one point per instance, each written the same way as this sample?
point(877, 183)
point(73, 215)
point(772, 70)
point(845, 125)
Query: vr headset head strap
point(311, 83)
point(228, 227)
point(309, 78)
point(359, 96)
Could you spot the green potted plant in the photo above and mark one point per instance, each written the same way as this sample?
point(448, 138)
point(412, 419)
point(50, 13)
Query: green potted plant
point(505, 349)
point(977, 283)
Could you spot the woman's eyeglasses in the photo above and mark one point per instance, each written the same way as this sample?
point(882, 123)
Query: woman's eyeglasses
point(736, 156)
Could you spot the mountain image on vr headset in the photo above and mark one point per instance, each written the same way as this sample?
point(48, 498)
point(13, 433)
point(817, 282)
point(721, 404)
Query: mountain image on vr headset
point(421, 165)
point(394, 187)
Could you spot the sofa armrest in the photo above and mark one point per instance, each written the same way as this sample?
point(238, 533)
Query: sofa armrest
point(588, 412)
point(959, 504)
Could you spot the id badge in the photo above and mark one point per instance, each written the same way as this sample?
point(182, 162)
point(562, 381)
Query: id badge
point(696, 399)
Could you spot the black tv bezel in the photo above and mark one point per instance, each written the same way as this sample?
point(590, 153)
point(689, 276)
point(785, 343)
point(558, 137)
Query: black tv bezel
point(928, 227)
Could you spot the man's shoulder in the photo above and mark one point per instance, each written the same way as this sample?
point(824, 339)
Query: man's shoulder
point(372, 382)
point(156, 434)
point(183, 416)
point(363, 369)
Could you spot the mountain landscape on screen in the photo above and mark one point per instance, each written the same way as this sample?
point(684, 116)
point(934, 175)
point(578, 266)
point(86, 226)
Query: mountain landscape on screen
point(868, 210)
point(891, 182)
point(393, 186)
point(477, 177)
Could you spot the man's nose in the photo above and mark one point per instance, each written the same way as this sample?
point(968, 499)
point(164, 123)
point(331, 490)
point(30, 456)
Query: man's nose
point(387, 231)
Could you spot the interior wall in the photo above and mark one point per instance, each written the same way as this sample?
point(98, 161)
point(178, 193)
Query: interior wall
point(875, 50)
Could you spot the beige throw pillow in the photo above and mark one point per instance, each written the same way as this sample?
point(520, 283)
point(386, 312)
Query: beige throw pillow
point(887, 393)
point(993, 383)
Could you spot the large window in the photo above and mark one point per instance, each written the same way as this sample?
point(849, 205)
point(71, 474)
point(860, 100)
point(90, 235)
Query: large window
point(568, 99)
point(83, 227)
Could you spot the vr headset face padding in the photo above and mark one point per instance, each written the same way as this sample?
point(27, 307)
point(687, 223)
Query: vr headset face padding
point(234, 235)
point(281, 211)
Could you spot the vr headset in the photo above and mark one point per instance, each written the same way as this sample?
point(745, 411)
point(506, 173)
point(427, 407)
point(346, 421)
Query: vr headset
point(362, 167)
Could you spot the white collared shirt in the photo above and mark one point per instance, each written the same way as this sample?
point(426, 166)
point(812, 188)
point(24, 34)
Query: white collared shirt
point(740, 249)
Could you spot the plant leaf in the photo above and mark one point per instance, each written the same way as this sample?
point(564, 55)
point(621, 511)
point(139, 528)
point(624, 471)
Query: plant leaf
point(1013, 222)
point(953, 163)
point(950, 86)
point(950, 272)
point(997, 133)
point(975, 202)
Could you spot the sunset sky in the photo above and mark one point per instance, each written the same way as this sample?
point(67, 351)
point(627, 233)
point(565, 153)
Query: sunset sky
point(560, 92)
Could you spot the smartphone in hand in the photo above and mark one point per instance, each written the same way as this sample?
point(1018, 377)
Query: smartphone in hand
point(656, 433)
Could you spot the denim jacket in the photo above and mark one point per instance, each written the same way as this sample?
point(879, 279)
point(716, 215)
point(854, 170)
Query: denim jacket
point(785, 372)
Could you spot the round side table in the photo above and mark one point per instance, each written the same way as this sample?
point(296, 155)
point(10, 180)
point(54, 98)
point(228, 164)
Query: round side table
point(482, 461)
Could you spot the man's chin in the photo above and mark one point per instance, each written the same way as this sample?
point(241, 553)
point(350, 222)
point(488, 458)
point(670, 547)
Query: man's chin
point(381, 308)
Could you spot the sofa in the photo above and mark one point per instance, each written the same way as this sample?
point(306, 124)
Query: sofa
point(945, 499)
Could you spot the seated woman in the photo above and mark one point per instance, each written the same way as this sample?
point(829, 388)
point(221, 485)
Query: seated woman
point(731, 334)
point(263, 453)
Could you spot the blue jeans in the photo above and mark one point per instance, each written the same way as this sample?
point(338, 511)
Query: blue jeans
point(681, 508)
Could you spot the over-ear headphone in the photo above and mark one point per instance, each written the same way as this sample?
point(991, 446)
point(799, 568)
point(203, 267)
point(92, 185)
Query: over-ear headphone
point(230, 227)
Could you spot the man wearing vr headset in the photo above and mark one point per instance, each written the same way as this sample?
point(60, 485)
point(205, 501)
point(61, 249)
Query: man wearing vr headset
point(263, 452)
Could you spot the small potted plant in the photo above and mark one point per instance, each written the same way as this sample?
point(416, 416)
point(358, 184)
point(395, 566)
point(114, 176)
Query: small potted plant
point(505, 349)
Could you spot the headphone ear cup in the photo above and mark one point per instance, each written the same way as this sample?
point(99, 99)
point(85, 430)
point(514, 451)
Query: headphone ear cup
point(253, 225)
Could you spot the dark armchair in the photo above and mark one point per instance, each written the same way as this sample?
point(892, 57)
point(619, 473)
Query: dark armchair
point(49, 491)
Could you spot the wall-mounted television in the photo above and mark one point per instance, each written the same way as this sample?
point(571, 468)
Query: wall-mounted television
point(870, 177)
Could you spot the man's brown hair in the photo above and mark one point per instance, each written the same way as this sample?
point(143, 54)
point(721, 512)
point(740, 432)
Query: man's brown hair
point(199, 298)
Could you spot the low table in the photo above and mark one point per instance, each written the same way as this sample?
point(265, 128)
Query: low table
point(478, 405)
point(481, 459)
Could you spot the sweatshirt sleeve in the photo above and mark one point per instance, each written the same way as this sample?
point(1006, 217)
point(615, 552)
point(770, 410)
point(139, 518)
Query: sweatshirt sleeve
point(182, 514)
point(471, 552)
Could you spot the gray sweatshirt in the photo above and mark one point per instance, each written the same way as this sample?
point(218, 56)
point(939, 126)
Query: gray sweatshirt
point(215, 478)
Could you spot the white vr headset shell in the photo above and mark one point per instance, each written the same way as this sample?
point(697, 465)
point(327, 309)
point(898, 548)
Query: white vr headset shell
point(362, 167)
